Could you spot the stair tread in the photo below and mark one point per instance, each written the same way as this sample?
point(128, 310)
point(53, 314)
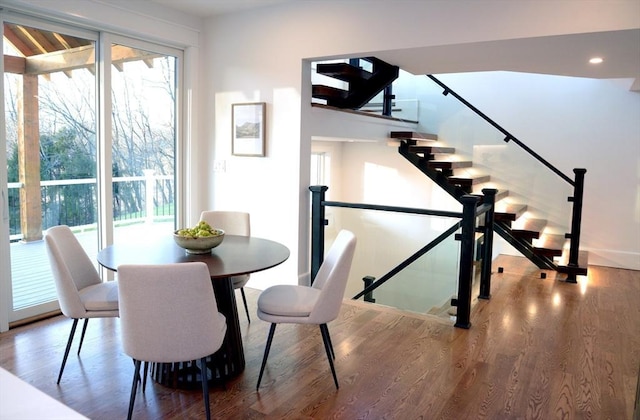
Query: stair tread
point(583, 262)
point(431, 149)
point(467, 180)
point(328, 92)
point(529, 229)
point(343, 71)
point(500, 195)
point(411, 135)
point(509, 212)
point(449, 164)
point(550, 245)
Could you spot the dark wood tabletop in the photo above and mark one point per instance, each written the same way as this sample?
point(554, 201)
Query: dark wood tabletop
point(236, 255)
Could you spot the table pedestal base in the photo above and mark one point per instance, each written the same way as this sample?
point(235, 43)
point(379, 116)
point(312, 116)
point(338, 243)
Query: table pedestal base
point(226, 363)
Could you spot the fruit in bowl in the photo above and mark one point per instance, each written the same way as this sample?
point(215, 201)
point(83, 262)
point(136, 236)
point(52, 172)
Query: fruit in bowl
point(200, 239)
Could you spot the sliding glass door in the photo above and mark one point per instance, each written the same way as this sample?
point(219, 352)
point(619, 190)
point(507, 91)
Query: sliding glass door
point(51, 144)
point(143, 148)
point(90, 143)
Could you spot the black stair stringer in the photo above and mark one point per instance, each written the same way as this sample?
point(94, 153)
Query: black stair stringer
point(502, 228)
point(524, 247)
point(436, 176)
point(383, 75)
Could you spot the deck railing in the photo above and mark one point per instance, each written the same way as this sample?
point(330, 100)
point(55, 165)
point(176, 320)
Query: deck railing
point(73, 202)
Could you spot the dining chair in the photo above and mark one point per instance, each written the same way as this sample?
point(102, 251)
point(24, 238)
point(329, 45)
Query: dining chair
point(81, 292)
point(169, 314)
point(316, 304)
point(233, 223)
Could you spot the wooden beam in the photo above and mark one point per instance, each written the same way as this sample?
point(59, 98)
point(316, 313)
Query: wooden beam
point(83, 57)
point(13, 64)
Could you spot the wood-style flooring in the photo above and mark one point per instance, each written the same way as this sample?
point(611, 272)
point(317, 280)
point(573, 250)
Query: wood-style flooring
point(539, 349)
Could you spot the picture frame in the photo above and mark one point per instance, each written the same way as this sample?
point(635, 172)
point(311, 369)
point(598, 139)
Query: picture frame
point(248, 129)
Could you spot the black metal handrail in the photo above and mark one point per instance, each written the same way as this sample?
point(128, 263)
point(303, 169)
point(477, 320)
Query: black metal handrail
point(577, 184)
point(509, 136)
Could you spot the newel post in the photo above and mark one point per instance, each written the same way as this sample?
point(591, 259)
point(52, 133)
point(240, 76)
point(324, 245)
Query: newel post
point(487, 249)
point(318, 223)
point(576, 222)
point(465, 276)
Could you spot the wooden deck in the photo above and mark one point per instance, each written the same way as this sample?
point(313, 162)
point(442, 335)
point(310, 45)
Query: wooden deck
point(539, 349)
point(32, 281)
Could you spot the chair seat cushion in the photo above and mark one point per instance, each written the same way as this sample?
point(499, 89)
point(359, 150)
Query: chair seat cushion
point(100, 297)
point(288, 300)
point(239, 281)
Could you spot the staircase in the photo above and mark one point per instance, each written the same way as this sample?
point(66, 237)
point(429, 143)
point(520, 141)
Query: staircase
point(439, 163)
point(363, 85)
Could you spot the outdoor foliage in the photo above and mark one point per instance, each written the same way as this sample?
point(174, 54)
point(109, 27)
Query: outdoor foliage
point(143, 138)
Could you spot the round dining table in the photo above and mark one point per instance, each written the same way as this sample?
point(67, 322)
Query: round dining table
point(236, 255)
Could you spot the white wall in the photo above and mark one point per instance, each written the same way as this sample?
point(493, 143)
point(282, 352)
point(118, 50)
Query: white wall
point(262, 55)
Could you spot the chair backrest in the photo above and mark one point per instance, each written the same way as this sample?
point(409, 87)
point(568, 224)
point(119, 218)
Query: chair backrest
point(168, 312)
point(72, 269)
point(232, 222)
point(332, 278)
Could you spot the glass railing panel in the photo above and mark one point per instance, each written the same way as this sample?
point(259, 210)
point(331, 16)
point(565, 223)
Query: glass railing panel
point(510, 168)
point(383, 244)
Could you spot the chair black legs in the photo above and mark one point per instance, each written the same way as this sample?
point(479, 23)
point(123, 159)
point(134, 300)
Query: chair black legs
point(333, 353)
point(205, 386)
point(84, 330)
point(246, 307)
point(328, 346)
point(329, 349)
point(134, 387)
point(66, 351)
point(266, 352)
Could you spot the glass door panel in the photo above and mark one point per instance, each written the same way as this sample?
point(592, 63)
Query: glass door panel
point(144, 138)
point(50, 120)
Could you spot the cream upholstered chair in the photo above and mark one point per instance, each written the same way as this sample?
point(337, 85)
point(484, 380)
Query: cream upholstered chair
point(81, 292)
point(316, 304)
point(233, 223)
point(168, 314)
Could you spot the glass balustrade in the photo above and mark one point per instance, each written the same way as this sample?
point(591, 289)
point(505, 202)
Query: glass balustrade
point(427, 284)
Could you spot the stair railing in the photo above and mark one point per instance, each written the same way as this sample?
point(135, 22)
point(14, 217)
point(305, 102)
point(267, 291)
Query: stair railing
point(472, 211)
point(577, 183)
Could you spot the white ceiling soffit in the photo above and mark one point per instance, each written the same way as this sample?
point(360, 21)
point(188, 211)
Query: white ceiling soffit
point(564, 55)
point(208, 8)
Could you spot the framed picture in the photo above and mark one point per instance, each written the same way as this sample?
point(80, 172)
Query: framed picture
point(248, 128)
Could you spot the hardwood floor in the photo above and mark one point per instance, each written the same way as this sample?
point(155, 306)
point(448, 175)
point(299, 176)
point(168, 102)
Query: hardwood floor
point(539, 349)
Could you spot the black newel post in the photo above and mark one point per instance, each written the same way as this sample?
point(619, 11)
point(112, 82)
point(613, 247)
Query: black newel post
point(465, 279)
point(368, 281)
point(487, 254)
point(576, 221)
point(317, 227)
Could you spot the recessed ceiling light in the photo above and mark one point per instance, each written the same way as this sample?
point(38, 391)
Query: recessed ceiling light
point(596, 60)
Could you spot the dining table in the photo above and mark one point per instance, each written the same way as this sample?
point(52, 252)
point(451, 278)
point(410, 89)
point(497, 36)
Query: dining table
point(236, 255)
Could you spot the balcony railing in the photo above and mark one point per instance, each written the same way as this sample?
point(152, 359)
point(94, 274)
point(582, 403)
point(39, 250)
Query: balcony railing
point(73, 202)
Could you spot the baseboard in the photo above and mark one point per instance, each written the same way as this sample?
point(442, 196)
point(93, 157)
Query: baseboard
point(613, 258)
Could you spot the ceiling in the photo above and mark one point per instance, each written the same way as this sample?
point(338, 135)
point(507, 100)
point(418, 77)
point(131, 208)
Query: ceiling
point(565, 55)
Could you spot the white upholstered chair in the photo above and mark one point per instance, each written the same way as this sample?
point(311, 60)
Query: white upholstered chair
point(233, 223)
point(81, 292)
point(168, 314)
point(316, 304)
